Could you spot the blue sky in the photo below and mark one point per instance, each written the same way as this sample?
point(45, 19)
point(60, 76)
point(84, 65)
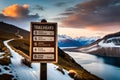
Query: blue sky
point(74, 17)
point(50, 6)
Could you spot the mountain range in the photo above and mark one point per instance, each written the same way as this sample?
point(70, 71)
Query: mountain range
point(67, 41)
point(108, 46)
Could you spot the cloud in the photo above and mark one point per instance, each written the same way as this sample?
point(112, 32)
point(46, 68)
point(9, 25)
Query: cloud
point(56, 18)
point(18, 15)
point(16, 10)
point(38, 7)
point(60, 4)
point(95, 14)
point(67, 13)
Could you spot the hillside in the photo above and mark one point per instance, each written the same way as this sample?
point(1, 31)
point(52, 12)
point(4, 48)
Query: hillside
point(8, 30)
point(22, 46)
point(107, 46)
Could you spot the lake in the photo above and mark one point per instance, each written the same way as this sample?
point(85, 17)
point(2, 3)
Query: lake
point(104, 67)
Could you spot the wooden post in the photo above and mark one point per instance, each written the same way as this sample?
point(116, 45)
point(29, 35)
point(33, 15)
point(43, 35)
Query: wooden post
point(43, 71)
point(43, 66)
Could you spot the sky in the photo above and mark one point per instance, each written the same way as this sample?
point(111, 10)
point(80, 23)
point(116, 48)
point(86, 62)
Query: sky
point(75, 18)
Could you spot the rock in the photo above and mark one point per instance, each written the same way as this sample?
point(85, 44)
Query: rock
point(76, 77)
point(60, 69)
point(26, 62)
point(0, 70)
point(72, 73)
point(5, 61)
point(6, 77)
point(6, 68)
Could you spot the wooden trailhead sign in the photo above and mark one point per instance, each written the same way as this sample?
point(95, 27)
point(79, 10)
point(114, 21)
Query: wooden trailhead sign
point(43, 42)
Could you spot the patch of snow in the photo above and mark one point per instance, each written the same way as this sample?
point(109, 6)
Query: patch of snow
point(113, 38)
point(23, 72)
point(21, 37)
point(63, 37)
point(3, 71)
point(1, 53)
point(89, 49)
point(92, 49)
point(111, 44)
point(57, 75)
point(1, 57)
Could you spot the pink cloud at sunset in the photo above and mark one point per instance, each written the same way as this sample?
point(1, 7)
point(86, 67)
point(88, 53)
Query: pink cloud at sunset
point(101, 15)
point(16, 10)
point(18, 15)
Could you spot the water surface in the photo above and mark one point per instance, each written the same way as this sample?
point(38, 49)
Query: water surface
point(103, 67)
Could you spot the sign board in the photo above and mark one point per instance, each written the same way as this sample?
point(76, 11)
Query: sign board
point(43, 42)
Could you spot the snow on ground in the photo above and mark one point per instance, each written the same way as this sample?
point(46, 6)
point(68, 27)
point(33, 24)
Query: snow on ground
point(111, 44)
point(23, 72)
point(89, 48)
point(1, 53)
point(53, 74)
point(102, 43)
point(113, 38)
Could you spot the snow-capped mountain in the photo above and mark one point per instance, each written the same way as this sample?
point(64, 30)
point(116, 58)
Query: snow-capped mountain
point(67, 41)
point(86, 40)
point(111, 40)
point(107, 46)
